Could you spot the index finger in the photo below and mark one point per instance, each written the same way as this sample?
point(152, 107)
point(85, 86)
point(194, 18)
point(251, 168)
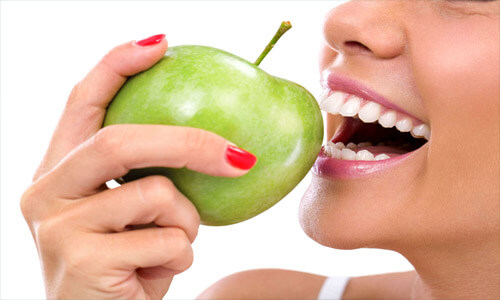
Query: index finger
point(116, 149)
point(86, 106)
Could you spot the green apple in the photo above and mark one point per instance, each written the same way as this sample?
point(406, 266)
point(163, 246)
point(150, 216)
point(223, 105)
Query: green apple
point(277, 120)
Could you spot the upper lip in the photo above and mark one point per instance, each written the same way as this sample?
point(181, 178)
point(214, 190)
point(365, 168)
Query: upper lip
point(338, 82)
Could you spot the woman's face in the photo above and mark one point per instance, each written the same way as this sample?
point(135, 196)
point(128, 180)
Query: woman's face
point(434, 63)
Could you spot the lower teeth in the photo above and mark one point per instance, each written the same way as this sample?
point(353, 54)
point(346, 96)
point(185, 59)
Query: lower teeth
point(341, 151)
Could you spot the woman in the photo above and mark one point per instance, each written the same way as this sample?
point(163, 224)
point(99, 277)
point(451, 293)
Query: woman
point(427, 189)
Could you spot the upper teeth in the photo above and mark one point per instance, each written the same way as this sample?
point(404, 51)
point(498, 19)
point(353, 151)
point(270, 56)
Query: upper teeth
point(370, 112)
point(349, 105)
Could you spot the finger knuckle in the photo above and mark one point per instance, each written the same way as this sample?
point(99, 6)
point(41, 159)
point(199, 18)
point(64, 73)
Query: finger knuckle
point(194, 228)
point(75, 93)
point(109, 140)
point(157, 188)
point(185, 260)
point(47, 233)
point(171, 237)
point(197, 140)
point(181, 250)
point(193, 224)
point(178, 235)
point(33, 195)
point(27, 201)
point(107, 59)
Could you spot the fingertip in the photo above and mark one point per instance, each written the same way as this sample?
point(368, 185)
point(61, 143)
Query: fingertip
point(151, 41)
point(154, 44)
point(130, 58)
point(239, 158)
point(150, 53)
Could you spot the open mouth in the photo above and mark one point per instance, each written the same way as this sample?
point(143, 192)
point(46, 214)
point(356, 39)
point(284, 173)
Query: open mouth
point(370, 131)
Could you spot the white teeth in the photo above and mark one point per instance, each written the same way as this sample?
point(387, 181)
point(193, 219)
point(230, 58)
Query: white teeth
point(352, 146)
point(351, 107)
point(421, 130)
point(334, 152)
point(388, 119)
point(333, 103)
point(340, 151)
point(364, 155)
point(328, 150)
point(382, 156)
point(337, 153)
point(404, 125)
point(348, 154)
point(340, 145)
point(370, 112)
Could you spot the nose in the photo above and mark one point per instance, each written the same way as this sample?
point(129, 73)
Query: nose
point(366, 27)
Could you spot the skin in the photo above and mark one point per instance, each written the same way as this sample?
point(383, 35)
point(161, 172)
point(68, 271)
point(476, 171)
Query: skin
point(439, 61)
point(436, 59)
point(71, 212)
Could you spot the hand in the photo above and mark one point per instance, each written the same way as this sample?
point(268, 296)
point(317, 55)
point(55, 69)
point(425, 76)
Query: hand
point(84, 231)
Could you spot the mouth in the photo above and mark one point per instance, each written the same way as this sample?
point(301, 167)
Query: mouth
point(373, 134)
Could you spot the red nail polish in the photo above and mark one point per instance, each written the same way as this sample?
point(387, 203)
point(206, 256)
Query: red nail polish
point(152, 40)
point(240, 158)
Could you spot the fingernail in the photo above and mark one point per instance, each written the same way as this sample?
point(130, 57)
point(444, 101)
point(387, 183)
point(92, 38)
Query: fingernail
point(240, 158)
point(152, 40)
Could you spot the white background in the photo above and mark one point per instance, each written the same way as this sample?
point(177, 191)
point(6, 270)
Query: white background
point(46, 47)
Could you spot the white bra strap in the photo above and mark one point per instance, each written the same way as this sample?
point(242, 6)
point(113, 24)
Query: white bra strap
point(333, 288)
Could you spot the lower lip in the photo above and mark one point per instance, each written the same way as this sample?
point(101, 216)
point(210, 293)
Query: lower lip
point(332, 168)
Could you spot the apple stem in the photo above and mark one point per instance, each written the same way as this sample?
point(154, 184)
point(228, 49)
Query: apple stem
point(284, 27)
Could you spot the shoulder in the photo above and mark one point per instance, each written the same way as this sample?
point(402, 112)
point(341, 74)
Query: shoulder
point(382, 286)
point(287, 284)
point(266, 284)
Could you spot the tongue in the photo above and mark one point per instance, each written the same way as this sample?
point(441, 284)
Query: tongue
point(346, 129)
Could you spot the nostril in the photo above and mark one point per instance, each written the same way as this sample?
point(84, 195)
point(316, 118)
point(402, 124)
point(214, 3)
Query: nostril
point(356, 46)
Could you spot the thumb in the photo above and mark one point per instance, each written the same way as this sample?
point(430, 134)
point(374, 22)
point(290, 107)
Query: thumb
point(86, 106)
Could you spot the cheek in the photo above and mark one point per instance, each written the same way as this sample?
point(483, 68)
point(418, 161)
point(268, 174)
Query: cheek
point(457, 73)
point(458, 76)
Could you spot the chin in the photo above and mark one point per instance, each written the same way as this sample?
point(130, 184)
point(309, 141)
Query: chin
point(324, 221)
point(341, 216)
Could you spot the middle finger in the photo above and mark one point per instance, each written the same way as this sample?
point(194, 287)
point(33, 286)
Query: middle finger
point(147, 200)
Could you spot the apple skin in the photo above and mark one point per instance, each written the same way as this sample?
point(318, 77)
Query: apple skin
point(197, 86)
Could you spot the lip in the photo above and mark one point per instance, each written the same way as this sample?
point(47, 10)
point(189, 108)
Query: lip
point(335, 169)
point(341, 83)
point(332, 168)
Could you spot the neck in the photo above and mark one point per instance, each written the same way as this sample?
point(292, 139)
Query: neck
point(468, 272)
